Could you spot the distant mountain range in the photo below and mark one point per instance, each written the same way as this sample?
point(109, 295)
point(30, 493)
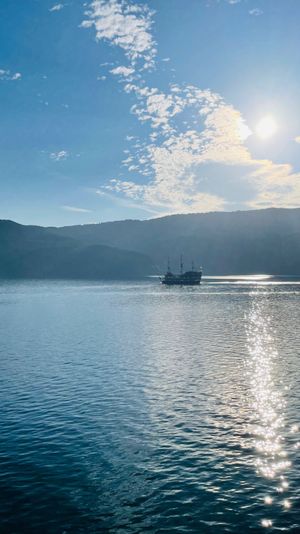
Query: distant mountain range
point(244, 242)
point(36, 252)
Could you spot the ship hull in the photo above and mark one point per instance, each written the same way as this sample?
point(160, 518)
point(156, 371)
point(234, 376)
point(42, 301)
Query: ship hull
point(180, 283)
point(187, 279)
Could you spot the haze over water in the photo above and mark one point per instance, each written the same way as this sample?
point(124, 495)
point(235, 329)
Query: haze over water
point(133, 407)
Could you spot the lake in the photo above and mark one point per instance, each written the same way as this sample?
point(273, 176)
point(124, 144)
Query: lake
point(134, 407)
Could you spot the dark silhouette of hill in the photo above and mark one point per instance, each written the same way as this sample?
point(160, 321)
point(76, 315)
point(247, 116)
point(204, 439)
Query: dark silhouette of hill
point(245, 242)
point(257, 241)
point(35, 252)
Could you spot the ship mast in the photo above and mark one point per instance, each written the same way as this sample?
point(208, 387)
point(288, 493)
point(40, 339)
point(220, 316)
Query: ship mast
point(181, 264)
point(168, 265)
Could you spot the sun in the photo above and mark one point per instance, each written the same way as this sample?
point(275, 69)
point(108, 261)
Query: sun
point(266, 127)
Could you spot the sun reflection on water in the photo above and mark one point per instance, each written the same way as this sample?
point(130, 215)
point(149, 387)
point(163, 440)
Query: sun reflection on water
point(268, 404)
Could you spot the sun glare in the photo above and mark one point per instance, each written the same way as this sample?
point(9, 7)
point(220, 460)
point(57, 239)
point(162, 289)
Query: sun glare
point(266, 127)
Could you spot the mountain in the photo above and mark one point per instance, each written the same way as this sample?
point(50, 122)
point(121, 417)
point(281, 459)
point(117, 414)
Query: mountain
point(256, 241)
point(244, 242)
point(35, 252)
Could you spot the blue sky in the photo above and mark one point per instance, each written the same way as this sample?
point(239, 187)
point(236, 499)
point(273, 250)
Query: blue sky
point(117, 109)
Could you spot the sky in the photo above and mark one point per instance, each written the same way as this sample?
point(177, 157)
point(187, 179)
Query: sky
point(119, 109)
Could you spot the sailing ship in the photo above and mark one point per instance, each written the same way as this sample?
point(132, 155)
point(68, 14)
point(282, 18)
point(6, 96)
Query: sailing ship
point(187, 278)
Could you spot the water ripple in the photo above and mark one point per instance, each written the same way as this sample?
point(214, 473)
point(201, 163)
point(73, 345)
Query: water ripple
point(126, 407)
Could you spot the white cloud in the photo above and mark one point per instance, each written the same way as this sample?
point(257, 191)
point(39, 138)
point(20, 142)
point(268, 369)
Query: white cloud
point(76, 210)
point(125, 25)
point(122, 71)
point(277, 185)
point(297, 139)
point(8, 75)
point(189, 129)
point(56, 7)
point(174, 159)
point(157, 107)
point(256, 12)
point(60, 155)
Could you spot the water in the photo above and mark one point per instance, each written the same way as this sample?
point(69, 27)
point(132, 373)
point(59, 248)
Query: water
point(133, 407)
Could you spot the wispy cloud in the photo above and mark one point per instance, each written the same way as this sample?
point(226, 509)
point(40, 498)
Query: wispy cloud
point(75, 209)
point(56, 7)
point(122, 71)
point(124, 202)
point(189, 128)
point(256, 12)
point(177, 149)
point(60, 155)
point(8, 75)
point(277, 185)
point(126, 25)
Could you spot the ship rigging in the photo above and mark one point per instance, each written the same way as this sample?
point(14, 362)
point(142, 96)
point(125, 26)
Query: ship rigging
point(187, 278)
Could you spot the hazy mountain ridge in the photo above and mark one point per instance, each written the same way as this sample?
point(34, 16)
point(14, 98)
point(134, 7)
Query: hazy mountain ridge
point(257, 241)
point(34, 252)
point(261, 241)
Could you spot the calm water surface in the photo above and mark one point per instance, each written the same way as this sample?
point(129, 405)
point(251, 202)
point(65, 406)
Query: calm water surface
point(132, 407)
